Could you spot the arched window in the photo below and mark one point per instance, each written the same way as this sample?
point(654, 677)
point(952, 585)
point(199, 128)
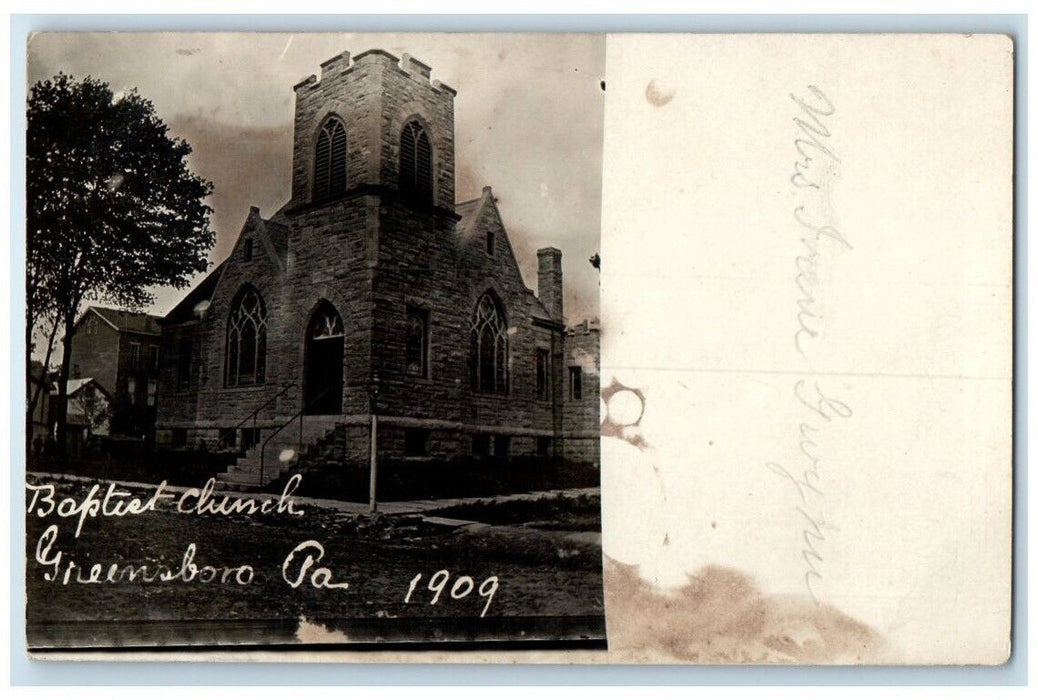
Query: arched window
point(415, 164)
point(330, 160)
point(247, 339)
point(489, 338)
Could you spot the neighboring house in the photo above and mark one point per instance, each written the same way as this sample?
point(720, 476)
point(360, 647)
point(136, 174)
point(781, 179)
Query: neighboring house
point(89, 412)
point(119, 350)
point(89, 406)
point(372, 292)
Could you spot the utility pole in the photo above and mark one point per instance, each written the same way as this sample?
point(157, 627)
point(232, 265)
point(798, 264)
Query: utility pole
point(372, 503)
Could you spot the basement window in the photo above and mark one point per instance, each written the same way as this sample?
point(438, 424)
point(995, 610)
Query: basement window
point(416, 442)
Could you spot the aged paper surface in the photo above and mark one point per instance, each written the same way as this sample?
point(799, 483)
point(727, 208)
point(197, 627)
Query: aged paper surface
point(807, 272)
point(336, 411)
point(806, 308)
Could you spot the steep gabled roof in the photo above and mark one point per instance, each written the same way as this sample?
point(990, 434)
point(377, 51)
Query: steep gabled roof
point(278, 235)
point(127, 321)
point(75, 385)
point(272, 234)
point(468, 227)
point(469, 213)
point(203, 291)
point(537, 308)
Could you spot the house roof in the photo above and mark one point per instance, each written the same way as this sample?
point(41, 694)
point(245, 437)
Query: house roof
point(129, 321)
point(77, 384)
point(203, 291)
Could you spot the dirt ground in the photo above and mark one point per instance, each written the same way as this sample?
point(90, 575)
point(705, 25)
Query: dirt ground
point(548, 583)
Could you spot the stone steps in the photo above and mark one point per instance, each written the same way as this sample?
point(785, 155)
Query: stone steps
point(280, 454)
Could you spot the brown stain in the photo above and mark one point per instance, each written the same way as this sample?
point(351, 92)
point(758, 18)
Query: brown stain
point(657, 96)
point(721, 617)
point(629, 432)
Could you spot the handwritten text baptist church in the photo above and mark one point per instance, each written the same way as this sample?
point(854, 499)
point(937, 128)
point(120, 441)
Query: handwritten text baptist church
point(117, 503)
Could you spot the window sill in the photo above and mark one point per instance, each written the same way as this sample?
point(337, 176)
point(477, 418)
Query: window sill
point(246, 387)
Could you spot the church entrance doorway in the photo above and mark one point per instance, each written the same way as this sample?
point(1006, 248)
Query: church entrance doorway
point(322, 364)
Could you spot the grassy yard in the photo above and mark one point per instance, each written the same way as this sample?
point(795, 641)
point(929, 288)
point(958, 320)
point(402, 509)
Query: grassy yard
point(548, 585)
point(581, 513)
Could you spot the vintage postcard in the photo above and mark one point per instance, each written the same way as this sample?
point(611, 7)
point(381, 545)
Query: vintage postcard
point(314, 344)
point(331, 373)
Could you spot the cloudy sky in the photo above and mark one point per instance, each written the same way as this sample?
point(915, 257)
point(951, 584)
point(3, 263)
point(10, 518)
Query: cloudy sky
point(528, 122)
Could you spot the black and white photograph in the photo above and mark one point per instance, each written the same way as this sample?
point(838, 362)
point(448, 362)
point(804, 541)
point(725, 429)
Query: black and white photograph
point(312, 340)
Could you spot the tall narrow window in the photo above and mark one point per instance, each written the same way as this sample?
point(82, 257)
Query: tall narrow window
point(543, 373)
point(153, 358)
point(489, 348)
point(576, 381)
point(247, 250)
point(415, 164)
point(330, 161)
point(490, 242)
point(247, 339)
point(135, 355)
point(417, 342)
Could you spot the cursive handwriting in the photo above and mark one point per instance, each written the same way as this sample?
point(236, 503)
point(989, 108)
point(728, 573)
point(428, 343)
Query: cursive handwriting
point(812, 175)
point(805, 479)
point(116, 503)
point(67, 570)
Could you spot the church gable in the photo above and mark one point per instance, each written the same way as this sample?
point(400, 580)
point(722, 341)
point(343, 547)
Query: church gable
point(261, 241)
point(486, 258)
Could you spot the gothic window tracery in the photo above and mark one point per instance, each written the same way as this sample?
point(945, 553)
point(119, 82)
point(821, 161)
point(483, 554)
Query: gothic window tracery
point(247, 339)
point(489, 348)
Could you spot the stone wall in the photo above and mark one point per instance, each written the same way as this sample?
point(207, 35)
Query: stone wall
point(580, 423)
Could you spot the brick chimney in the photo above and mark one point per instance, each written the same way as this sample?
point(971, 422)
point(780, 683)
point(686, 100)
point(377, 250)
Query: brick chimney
point(549, 280)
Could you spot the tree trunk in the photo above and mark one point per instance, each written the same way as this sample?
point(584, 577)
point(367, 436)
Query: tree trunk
point(61, 406)
point(33, 390)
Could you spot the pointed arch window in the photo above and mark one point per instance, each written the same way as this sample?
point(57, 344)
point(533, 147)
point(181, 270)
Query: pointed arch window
point(489, 342)
point(247, 339)
point(415, 164)
point(330, 160)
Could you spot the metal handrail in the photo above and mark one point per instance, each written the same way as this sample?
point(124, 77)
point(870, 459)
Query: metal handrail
point(299, 414)
point(252, 416)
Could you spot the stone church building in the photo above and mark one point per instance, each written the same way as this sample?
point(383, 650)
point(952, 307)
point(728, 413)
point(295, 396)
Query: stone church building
point(373, 293)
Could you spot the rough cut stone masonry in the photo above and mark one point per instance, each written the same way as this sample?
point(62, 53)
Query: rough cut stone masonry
point(372, 253)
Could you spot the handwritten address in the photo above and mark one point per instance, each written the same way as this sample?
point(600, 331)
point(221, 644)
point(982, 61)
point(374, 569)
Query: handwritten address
point(815, 170)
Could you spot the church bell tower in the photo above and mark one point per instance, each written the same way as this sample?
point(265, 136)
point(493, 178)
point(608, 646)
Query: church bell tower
point(375, 124)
